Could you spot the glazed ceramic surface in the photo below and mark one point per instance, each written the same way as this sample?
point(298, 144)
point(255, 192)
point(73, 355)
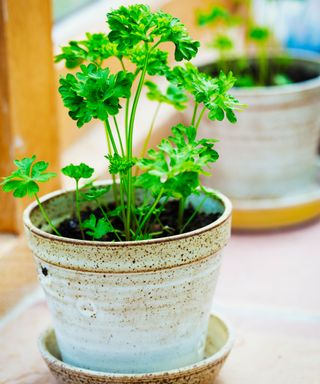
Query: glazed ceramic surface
point(132, 306)
point(272, 150)
point(218, 345)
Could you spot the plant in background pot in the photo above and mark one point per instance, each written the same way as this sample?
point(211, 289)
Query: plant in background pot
point(276, 138)
point(129, 266)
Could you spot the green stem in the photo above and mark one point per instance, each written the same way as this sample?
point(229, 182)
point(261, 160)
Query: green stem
point(122, 188)
point(130, 191)
point(180, 212)
point(127, 106)
point(200, 117)
point(78, 209)
point(118, 134)
point(110, 135)
point(194, 113)
point(104, 213)
point(146, 143)
point(194, 214)
point(114, 182)
point(44, 213)
point(155, 203)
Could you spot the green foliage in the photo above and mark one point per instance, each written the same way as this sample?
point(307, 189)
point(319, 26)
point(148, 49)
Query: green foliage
point(95, 193)
point(175, 166)
point(95, 49)
point(97, 228)
point(172, 170)
point(94, 93)
point(119, 164)
point(174, 95)
point(259, 34)
point(77, 172)
point(137, 23)
point(157, 60)
point(212, 92)
point(223, 43)
point(24, 181)
point(215, 14)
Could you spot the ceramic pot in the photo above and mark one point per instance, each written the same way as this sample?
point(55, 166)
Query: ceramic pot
point(128, 307)
point(272, 150)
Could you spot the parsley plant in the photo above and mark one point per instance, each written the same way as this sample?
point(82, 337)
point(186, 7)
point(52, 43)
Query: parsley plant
point(138, 39)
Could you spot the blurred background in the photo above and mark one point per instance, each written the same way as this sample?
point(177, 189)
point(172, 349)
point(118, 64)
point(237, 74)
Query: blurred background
point(269, 285)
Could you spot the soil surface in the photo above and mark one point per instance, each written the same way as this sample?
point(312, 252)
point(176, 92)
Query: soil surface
point(168, 218)
point(281, 71)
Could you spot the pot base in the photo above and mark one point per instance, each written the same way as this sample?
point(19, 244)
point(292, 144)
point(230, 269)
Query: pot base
point(276, 213)
point(218, 346)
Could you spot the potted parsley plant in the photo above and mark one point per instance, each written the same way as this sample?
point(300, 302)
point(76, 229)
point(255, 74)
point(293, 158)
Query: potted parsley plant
point(276, 138)
point(129, 266)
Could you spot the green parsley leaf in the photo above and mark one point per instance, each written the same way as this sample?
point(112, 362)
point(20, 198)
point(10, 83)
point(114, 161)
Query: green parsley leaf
point(95, 49)
point(212, 92)
point(24, 181)
point(94, 193)
point(97, 228)
point(136, 24)
point(174, 95)
point(77, 172)
point(94, 93)
point(119, 164)
point(177, 163)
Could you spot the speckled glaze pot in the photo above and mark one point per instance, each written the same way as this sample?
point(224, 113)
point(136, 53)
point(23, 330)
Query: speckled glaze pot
point(272, 150)
point(128, 307)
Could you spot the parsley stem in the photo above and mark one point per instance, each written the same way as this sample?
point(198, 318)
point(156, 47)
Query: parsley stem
point(194, 214)
point(155, 203)
point(118, 133)
point(181, 212)
point(194, 113)
point(44, 213)
point(114, 183)
point(110, 135)
point(147, 140)
point(130, 190)
point(78, 209)
point(200, 117)
point(104, 213)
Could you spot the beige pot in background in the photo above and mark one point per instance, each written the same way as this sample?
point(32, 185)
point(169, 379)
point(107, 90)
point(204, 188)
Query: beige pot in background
point(128, 307)
point(271, 152)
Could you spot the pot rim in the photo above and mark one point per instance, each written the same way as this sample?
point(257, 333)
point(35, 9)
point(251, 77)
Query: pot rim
point(49, 236)
point(271, 90)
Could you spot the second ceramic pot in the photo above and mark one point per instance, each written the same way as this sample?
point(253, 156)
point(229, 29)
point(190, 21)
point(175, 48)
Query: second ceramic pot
point(128, 307)
point(272, 150)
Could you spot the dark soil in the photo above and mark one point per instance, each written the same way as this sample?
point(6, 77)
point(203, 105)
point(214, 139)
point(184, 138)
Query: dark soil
point(295, 71)
point(70, 227)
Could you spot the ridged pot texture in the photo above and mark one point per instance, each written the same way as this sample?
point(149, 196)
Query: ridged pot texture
point(272, 150)
point(128, 307)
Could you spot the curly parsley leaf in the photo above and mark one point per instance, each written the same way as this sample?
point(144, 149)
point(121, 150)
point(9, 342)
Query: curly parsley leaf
point(94, 192)
point(94, 93)
point(95, 49)
point(215, 14)
point(24, 181)
point(97, 229)
point(157, 60)
point(213, 93)
point(176, 165)
point(119, 164)
point(174, 95)
point(138, 24)
point(77, 172)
